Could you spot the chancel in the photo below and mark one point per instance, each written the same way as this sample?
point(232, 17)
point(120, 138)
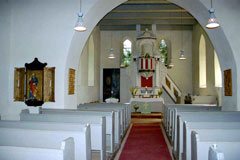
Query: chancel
point(132, 79)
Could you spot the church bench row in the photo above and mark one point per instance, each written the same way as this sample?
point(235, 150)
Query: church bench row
point(173, 123)
point(47, 139)
point(227, 141)
point(97, 126)
point(112, 117)
point(112, 122)
point(180, 144)
point(96, 131)
point(124, 108)
point(196, 126)
point(171, 112)
point(65, 151)
point(168, 115)
point(219, 116)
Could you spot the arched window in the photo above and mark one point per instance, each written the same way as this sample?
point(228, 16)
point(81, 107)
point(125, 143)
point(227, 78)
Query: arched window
point(163, 50)
point(91, 62)
point(202, 63)
point(127, 52)
point(218, 73)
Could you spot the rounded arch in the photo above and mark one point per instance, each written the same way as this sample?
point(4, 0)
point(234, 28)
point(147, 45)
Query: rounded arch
point(196, 8)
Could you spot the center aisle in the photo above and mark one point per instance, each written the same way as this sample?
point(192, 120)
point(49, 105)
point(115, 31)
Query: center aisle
point(145, 142)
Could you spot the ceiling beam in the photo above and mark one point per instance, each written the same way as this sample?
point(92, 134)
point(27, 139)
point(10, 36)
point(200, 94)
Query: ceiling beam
point(147, 2)
point(149, 11)
point(150, 21)
point(112, 15)
point(143, 27)
point(145, 18)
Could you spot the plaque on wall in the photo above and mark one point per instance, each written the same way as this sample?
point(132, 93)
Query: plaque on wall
point(168, 83)
point(228, 82)
point(71, 81)
point(34, 83)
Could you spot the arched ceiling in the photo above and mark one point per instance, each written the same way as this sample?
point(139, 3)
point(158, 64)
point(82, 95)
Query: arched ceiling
point(146, 12)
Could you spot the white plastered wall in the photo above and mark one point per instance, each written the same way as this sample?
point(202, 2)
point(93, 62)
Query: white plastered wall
point(86, 93)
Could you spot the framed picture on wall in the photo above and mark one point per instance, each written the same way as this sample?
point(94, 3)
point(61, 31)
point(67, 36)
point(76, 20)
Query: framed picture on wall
point(228, 82)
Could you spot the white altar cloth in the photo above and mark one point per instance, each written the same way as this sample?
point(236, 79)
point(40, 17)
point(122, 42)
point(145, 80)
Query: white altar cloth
point(156, 104)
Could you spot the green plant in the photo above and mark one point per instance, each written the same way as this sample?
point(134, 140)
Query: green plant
point(159, 92)
point(147, 55)
point(133, 91)
point(136, 107)
point(163, 51)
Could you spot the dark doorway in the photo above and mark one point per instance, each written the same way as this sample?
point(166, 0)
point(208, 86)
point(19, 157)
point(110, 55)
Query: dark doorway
point(111, 83)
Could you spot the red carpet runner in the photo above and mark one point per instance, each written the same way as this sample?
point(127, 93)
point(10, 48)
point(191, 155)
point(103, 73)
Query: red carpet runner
point(145, 142)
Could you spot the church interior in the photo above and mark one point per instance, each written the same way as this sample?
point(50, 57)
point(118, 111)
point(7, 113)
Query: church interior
point(119, 80)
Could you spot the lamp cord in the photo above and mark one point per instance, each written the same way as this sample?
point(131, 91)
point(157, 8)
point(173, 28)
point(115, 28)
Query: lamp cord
point(181, 29)
point(80, 5)
point(211, 4)
point(111, 39)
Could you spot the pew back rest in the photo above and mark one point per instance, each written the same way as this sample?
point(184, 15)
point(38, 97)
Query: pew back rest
point(195, 126)
point(47, 139)
point(64, 152)
point(96, 129)
point(66, 118)
point(204, 138)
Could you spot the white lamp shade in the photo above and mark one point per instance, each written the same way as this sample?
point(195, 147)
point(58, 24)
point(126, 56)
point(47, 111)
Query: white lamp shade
point(80, 25)
point(182, 55)
point(111, 55)
point(212, 21)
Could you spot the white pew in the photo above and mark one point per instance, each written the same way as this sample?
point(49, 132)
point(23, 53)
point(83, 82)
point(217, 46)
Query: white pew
point(214, 153)
point(65, 151)
point(123, 108)
point(226, 140)
point(200, 117)
point(185, 149)
point(188, 109)
point(96, 129)
point(112, 117)
point(118, 113)
point(67, 118)
point(169, 113)
point(47, 139)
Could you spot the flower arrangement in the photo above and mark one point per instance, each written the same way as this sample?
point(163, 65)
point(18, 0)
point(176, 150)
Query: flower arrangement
point(133, 91)
point(159, 92)
point(135, 106)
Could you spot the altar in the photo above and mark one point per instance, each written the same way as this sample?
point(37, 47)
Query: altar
point(147, 105)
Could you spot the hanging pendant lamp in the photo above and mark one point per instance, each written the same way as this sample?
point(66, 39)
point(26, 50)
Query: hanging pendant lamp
point(79, 27)
point(212, 21)
point(182, 50)
point(111, 55)
point(182, 55)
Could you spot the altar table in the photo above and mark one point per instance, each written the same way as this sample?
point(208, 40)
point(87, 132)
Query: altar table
point(148, 105)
